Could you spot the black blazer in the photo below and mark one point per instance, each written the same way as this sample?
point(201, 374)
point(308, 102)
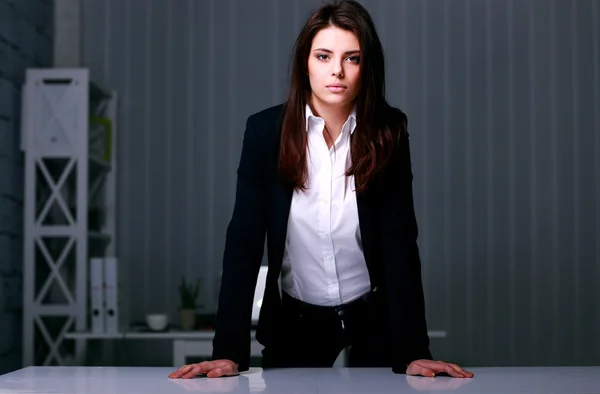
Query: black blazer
point(388, 230)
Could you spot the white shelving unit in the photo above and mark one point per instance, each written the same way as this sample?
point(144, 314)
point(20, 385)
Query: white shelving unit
point(68, 138)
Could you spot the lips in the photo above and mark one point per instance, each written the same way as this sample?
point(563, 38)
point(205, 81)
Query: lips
point(337, 88)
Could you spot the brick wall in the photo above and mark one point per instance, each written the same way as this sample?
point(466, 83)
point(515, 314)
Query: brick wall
point(25, 41)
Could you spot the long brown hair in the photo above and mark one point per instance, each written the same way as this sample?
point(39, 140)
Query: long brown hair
point(372, 141)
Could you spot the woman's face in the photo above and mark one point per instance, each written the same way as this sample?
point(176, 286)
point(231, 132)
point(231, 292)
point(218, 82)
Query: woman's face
point(334, 67)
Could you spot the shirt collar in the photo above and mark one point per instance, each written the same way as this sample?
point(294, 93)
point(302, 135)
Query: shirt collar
point(309, 114)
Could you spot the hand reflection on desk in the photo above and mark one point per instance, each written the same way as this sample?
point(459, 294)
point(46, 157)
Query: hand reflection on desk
point(440, 383)
point(214, 385)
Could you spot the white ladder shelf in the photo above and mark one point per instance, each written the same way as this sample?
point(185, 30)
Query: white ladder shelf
point(69, 209)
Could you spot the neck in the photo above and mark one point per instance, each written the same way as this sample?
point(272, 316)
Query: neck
point(334, 116)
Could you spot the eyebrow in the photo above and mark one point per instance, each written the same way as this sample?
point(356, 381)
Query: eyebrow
point(356, 51)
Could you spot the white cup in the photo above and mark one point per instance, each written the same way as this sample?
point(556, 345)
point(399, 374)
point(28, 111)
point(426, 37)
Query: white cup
point(156, 321)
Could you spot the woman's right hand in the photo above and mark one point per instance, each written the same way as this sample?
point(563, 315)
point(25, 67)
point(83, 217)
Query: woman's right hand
point(212, 369)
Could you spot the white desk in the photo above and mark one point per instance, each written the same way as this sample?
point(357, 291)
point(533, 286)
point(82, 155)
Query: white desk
point(121, 380)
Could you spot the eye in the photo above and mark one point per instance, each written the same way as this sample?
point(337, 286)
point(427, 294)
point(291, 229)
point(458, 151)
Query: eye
point(322, 56)
point(354, 59)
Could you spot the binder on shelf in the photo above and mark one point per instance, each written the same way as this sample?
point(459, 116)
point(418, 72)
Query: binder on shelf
point(111, 286)
point(97, 295)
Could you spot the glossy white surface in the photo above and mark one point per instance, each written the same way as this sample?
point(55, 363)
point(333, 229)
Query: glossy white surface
point(133, 380)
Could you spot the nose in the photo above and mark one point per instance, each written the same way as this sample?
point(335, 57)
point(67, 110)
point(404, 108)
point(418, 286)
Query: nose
point(337, 70)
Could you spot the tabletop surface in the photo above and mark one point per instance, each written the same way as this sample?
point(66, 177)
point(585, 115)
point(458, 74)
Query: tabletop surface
point(130, 380)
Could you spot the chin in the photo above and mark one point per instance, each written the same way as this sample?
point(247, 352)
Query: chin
point(336, 100)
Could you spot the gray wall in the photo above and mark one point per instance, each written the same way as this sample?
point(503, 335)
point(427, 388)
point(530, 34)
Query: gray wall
point(503, 100)
point(25, 41)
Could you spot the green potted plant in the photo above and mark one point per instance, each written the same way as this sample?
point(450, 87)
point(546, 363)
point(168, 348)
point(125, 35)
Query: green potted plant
point(188, 294)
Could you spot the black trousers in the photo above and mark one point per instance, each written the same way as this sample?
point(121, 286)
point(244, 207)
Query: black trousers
point(313, 336)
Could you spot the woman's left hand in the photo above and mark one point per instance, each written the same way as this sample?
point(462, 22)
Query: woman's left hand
point(431, 368)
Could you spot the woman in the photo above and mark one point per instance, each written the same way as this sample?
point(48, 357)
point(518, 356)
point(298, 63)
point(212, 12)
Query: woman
point(327, 178)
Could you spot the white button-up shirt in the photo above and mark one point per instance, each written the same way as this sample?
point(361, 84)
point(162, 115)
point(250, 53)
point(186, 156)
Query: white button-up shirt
point(323, 261)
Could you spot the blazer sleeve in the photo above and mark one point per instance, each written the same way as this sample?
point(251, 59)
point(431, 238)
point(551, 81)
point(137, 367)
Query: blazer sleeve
point(244, 245)
point(401, 261)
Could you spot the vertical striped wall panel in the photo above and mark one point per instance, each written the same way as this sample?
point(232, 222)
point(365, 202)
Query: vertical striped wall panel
point(503, 100)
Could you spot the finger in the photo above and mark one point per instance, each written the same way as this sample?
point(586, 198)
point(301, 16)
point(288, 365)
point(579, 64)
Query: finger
point(196, 370)
point(458, 369)
point(174, 374)
point(465, 374)
point(424, 371)
point(417, 369)
point(180, 372)
point(451, 371)
point(216, 373)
